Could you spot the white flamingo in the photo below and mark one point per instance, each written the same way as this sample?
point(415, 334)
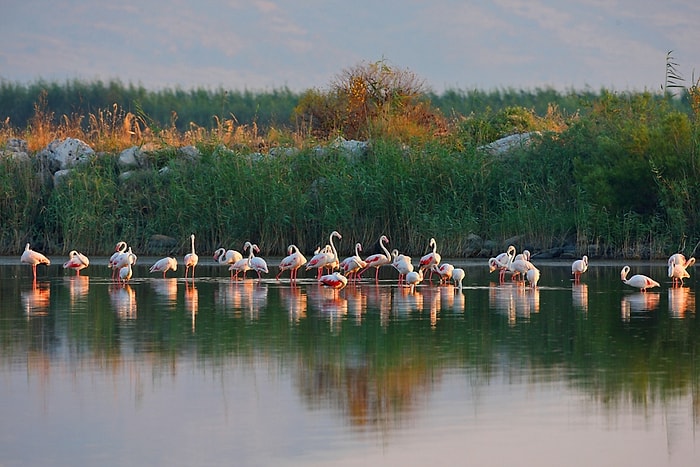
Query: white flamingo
point(227, 257)
point(677, 267)
point(256, 263)
point(33, 258)
point(164, 265)
point(414, 278)
point(638, 281)
point(402, 264)
point(457, 277)
point(242, 265)
point(502, 262)
point(191, 259)
point(125, 272)
point(445, 271)
point(578, 267)
point(119, 250)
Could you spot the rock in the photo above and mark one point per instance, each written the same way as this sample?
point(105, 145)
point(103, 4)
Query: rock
point(191, 153)
point(65, 154)
point(16, 149)
point(507, 144)
point(161, 244)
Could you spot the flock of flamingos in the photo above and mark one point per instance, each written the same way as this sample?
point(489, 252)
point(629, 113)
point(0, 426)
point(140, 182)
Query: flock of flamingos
point(351, 268)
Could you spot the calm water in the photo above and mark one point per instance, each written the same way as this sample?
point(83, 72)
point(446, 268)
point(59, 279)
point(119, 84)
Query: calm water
point(165, 372)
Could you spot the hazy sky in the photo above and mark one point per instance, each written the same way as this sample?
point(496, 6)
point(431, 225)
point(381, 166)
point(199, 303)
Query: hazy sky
point(267, 44)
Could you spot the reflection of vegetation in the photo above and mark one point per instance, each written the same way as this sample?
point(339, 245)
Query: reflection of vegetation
point(377, 370)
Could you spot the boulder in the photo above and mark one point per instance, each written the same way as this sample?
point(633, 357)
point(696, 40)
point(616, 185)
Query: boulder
point(507, 144)
point(65, 154)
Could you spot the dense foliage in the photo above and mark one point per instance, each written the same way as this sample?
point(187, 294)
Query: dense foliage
point(612, 173)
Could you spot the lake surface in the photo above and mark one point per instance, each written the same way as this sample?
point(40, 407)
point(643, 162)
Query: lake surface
point(168, 372)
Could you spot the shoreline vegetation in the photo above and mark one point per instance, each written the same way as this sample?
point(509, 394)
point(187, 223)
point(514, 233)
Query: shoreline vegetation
point(605, 174)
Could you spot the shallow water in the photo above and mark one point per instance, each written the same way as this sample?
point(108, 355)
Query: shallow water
point(221, 372)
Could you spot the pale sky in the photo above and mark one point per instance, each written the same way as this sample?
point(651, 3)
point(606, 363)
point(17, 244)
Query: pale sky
point(260, 45)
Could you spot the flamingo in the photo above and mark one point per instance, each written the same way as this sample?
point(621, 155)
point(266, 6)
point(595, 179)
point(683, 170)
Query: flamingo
point(502, 261)
point(242, 265)
point(256, 263)
point(578, 267)
point(335, 280)
point(533, 277)
point(327, 258)
point(76, 261)
point(164, 265)
point(227, 257)
point(457, 277)
point(431, 259)
point(677, 267)
point(638, 281)
point(125, 272)
point(520, 267)
point(677, 272)
point(191, 259)
point(414, 278)
point(292, 262)
point(33, 258)
point(351, 265)
point(378, 260)
point(122, 260)
point(445, 271)
point(401, 263)
point(119, 250)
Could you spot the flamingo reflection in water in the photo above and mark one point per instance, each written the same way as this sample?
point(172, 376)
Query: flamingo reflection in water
point(404, 302)
point(639, 303)
point(681, 300)
point(78, 287)
point(294, 299)
point(166, 290)
point(191, 301)
point(579, 296)
point(242, 297)
point(36, 300)
point(123, 300)
point(515, 301)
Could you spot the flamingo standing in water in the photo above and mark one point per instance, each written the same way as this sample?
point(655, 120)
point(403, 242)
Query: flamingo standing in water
point(227, 257)
point(164, 265)
point(33, 258)
point(414, 278)
point(677, 268)
point(292, 262)
point(378, 260)
point(457, 277)
point(76, 261)
point(578, 267)
point(119, 251)
point(256, 263)
point(242, 265)
point(431, 259)
point(502, 261)
point(402, 264)
point(445, 271)
point(125, 272)
point(352, 265)
point(191, 259)
point(638, 281)
point(326, 259)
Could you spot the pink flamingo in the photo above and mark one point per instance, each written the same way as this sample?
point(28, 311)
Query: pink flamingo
point(227, 257)
point(325, 259)
point(76, 261)
point(256, 263)
point(119, 251)
point(401, 263)
point(431, 259)
point(378, 260)
point(351, 265)
point(335, 280)
point(292, 262)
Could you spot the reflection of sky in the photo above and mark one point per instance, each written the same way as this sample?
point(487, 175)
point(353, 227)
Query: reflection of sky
point(251, 413)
